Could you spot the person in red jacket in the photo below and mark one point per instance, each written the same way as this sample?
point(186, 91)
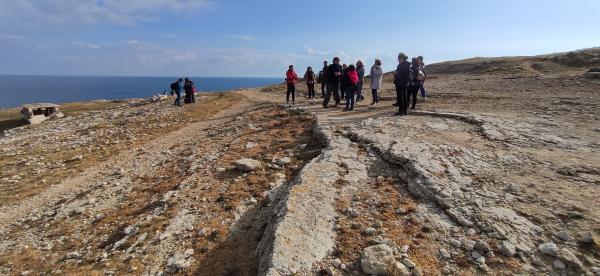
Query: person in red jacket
point(350, 81)
point(291, 78)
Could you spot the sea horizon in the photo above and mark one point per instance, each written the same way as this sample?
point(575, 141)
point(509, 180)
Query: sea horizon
point(17, 90)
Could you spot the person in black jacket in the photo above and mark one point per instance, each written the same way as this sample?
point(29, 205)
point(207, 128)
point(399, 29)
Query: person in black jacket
point(342, 84)
point(401, 80)
point(323, 79)
point(415, 83)
point(333, 75)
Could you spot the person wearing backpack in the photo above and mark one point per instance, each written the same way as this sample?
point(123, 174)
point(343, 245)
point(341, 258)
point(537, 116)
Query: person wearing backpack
point(189, 88)
point(333, 75)
point(422, 86)
point(177, 87)
point(291, 78)
point(416, 78)
point(309, 77)
point(360, 70)
point(401, 80)
point(350, 82)
point(323, 77)
point(376, 79)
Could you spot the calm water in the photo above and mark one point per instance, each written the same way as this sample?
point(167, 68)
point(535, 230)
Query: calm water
point(19, 90)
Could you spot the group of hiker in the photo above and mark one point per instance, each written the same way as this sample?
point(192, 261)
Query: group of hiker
point(186, 85)
point(345, 82)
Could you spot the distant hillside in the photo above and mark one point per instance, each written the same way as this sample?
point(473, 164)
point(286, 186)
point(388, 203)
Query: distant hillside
point(575, 60)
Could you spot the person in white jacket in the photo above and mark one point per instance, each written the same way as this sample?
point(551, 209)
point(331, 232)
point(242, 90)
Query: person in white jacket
point(376, 78)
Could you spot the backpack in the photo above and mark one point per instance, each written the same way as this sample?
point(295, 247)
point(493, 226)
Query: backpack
point(174, 86)
point(421, 76)
point(353, 76)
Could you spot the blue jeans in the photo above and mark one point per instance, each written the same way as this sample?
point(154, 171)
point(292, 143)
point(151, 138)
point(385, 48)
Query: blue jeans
point(178, 99)
point(350, 96)
point(422, 88)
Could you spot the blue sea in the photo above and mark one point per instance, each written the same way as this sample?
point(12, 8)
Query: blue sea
point(19, 90)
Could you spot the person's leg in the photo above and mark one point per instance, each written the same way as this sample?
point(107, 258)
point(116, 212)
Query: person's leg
point(406, 103)
point(347, 101)
point(323, 89)
point(336, 93)
point(397, 97)
point(373, 93)
point(422, 88)
point(312, 91)
point(287, 95)
point(359, 96)
point(414, 93)
point(329, 91)
point(351, 91)
point(293, 93)
point(408, 95)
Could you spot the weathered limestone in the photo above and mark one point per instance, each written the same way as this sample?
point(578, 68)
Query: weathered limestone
point(37, 113)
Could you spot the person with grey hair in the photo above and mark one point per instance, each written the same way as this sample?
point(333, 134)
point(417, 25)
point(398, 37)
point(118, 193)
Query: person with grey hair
point(401, 80)
point(376, 79)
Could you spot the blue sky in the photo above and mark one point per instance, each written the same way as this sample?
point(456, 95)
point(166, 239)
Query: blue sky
point(260, 38)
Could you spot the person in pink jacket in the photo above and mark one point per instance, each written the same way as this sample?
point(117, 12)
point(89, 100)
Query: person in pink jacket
point(291, 78)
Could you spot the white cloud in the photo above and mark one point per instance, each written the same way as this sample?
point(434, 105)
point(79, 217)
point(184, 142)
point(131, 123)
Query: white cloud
point(307, 50)
point(12, 37)
point(243, 37)
point(87, 45)
point(63, 12)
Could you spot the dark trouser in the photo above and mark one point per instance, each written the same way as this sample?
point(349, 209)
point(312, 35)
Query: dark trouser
point(291, 89)
point(343, 92)
point(413, 90)
point(178, 99)
point(311, 90)
point(359, 96)
point(332, 89)
point(323, 89)
point(375, 97)
point(402, 100)
point(422, 88)
point(350, 96)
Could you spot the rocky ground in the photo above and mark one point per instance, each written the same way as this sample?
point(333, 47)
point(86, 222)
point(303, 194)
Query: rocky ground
point(498, 173)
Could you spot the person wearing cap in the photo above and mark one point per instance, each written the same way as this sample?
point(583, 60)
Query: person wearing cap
point(333, 75)
point(291, 78)
point(401, 81)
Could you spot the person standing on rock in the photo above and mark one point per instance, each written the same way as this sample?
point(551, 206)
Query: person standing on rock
point(291, 78)
point(422, 86)
point(401, 80)
point(416, 75)
point(309, 77)
point(333, 76)
point(376, 79)
point(178, 87)
point(360, 70)
point(350, 82)
point(323, 79)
